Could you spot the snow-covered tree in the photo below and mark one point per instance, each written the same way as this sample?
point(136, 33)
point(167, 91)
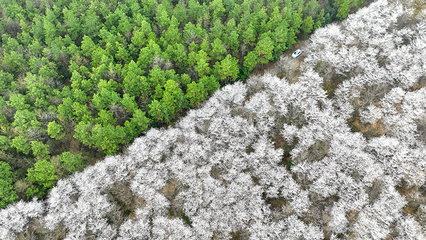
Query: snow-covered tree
point(15, 217)
point(271, 158)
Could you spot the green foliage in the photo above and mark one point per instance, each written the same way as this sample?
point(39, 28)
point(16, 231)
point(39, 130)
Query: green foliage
point(121, 54)
point(7, 178)
point(147, 54)
point(65, 110)
point(131, 63)
point(275, 19)
point(179, 55)
point(211, 84)
point(217, 49)
point(55, 130)
point(5, 80)
point(133, 79)
point(228, 69)
point(129, 103)
point(50, 29)
point(73, 23)
point(320, 17)
point(185, 80)
point(87, 46)
point(216, 30)
point(196, 93)
point(21, 144)
point(311, 8)
point(37, 89)
point(24, 119)
point(81, 112)
point(10, 44)
point(179, 12)
point(78, 81)
point(140, 120)
point(108, 137)
point(202, 66)
point(105, 118)
point(173, 98)
point(79, 96)
point(249, 35)
point(104, 98)
point(137, 124)
point(217, 9)
point(250, 61)
point(172, 34)
point(5, 143)
point(156, 77)
point(43, 178)
point(140, 35)
point(72, 163)
point(158, 111)
point(308, 25)
point(17, 101)
point(264, 49)
point(40, 150)
point(162, 17)
point(280, 37)
point(158, 92)
point(13, 61)
point(232, 42)
point(173, 101)
point(296, 21)
point(82, 133)
point(205, 46)
point(343, 8)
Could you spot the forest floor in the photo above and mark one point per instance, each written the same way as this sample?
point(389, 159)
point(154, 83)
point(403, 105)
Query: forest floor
point(286, 66)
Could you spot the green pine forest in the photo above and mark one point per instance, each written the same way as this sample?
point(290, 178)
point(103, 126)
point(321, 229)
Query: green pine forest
point(80, 79)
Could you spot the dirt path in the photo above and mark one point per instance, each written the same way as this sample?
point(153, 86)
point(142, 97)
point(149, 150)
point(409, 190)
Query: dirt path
point(286, 66)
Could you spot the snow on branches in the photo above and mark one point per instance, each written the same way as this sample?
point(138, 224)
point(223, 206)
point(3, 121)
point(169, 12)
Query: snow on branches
point(15, 217)
point(270, 159)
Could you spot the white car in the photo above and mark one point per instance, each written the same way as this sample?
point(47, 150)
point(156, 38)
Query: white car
point(296, 53)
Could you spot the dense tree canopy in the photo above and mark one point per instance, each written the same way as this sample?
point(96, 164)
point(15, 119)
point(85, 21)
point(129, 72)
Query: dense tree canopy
point(43, 176)
point(93, 75)
point(7, 177)
point(272, 158)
